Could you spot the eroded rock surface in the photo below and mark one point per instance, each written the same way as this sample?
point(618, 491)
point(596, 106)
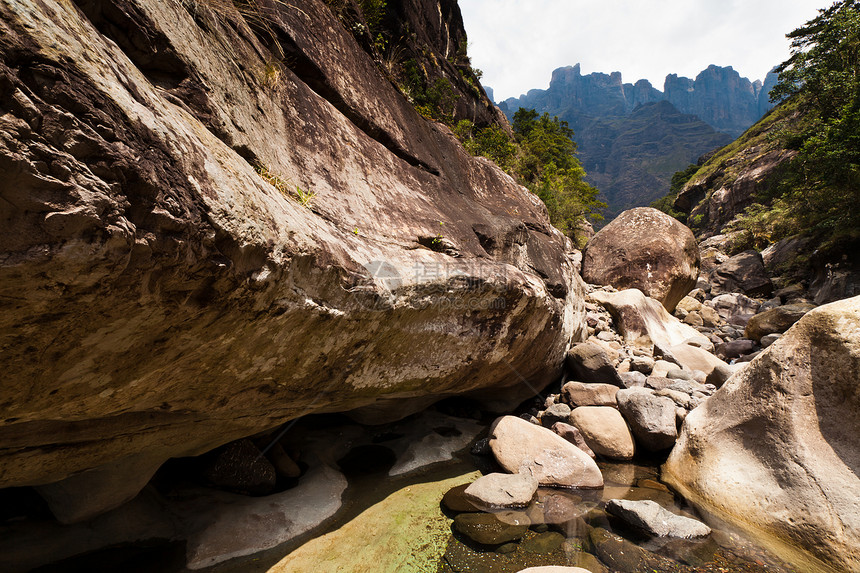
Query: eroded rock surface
point(161, 297)
point(775, 449)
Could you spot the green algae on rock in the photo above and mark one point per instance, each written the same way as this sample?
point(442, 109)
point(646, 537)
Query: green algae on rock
point(405, 532)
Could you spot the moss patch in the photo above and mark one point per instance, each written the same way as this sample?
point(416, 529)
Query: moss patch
point(405, 532)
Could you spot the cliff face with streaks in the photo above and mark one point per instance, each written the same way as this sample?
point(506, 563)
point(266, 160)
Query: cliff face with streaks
point(217, 220)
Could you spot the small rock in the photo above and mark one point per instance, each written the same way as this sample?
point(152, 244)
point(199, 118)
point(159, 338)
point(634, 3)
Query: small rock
point(579, 394)
point(772, 303)
point(499, 490)
point(736, 348)
point(543, 543)
point(589, 362)
point(655, 519)
point(572, 435)
point(607, 336)
point(555, 413)
point(481, 447)
point(633, 379)
point(776, 321)
point(604, 431)
point(769, 339)
point(554, 569)
point(659, 382)
point(694, 319)
point(283, 463)
point(662, 367)
point(506, 548)
point(239, 466)
point(678, 374)
point(643, 364)
point(487, 529)
point(680, 398)
point(455, 500)
point(651, 418)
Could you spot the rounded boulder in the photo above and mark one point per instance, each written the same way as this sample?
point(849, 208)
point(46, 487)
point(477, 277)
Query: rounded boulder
point(646, 249)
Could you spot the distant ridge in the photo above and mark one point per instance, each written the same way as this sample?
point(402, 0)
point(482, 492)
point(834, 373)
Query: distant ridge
point(630, 146)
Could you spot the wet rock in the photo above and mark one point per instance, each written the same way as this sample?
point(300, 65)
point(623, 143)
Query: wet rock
point(744, 273)
point(645, 249)
point(572, 435)
point(486, 529)
point(776, 321)
point(622, 555)
point(502, 490)
point(543, 543)
point(553, 461)
point(780, 439)
point(555, 569)
point(456, 500)
point(605, 431)
point(557, 506)
point(588, 362)
point(655, 519)
point(481, 447)
point(651, 418)
point(579, 394)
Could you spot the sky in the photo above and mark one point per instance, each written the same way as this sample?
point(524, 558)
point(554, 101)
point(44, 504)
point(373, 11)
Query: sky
point(518, 43)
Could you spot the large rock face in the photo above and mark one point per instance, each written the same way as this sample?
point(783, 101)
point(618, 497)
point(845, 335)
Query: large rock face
point(775, 450)
point(646, 249)
point(161, 298)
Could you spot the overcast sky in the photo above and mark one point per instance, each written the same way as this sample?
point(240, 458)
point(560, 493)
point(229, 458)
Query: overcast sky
point(517, 43)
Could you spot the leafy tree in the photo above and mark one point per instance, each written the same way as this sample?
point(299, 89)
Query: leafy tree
point(821, 189)
point(548, 166)
point(542, 157)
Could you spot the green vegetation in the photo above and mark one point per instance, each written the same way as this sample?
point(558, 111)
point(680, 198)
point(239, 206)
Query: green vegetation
point(816, 193)
point(667, 203)
point(542, 157)
point(820, 190)
point(301, 196)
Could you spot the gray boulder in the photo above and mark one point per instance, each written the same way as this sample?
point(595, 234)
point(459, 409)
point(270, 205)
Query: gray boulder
point(645, 249)
point(651, 418)
point(498, 490)
point(656, 520)
point(744, 273)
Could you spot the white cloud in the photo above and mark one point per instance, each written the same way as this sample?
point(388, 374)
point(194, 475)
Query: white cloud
point(517, 43)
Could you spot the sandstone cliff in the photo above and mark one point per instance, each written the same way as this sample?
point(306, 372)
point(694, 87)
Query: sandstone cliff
point(161, 297)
